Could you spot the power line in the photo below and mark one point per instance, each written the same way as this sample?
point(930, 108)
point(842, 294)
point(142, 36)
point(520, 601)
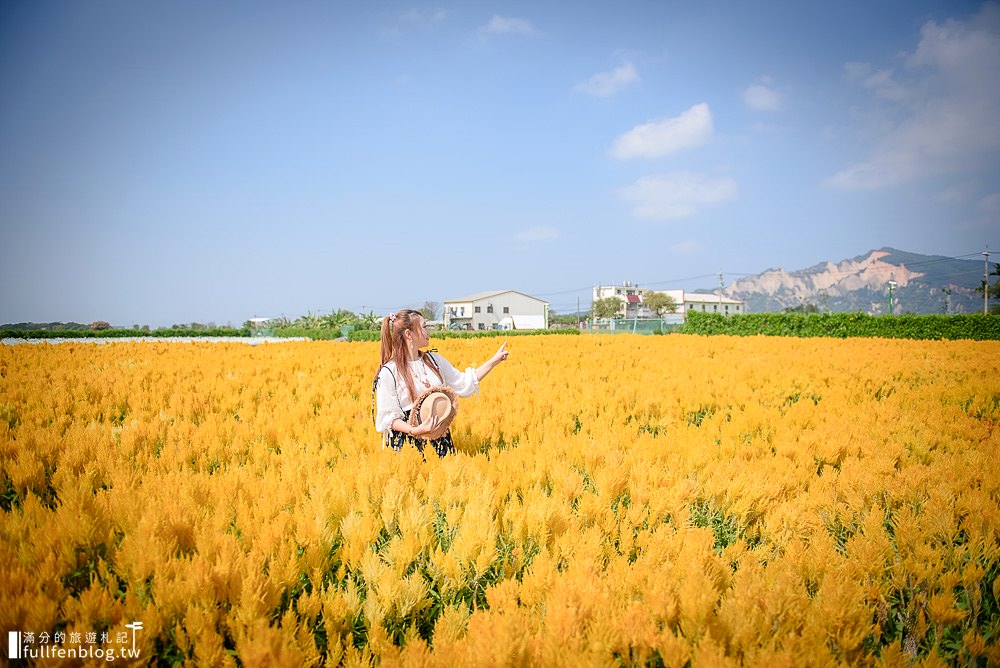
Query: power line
point(569, 306)
point(806, 272)
point(563, 292)
point(565, 306)
point(680, 280)
point(638, 284)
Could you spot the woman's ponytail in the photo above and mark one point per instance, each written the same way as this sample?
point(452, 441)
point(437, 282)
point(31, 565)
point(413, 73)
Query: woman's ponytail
point(386, 348)
point(393, 345)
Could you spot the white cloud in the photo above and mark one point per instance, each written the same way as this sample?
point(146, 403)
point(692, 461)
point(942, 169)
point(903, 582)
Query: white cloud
point(946, 116)
point(689, 247)
point(413, 19)
point(605, 84)
point(880, 82)
point(540, 233)
point(505, 25)
point(762, 98)
point(669, 135)
point(424, 16)
point(955, 194)
point(676, 195)
point(990, 203)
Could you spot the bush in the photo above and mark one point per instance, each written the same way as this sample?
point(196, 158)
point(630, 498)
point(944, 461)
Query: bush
point(118, 333)
point(325, 334)
point(843, 325)
point(473, 334)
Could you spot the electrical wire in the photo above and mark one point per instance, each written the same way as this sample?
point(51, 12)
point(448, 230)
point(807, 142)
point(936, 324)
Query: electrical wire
point(569, 306)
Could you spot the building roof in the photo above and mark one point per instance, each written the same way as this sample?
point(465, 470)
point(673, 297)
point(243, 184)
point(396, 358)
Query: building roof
point(705, 298)
point(485, 295)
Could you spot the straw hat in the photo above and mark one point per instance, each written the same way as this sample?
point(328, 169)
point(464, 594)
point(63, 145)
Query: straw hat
point(440, 401)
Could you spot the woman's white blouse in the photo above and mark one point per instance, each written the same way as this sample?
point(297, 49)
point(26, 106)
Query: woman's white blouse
point(392, 397)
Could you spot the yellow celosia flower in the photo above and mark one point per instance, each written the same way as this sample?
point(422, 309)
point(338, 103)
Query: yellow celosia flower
point(616, 500)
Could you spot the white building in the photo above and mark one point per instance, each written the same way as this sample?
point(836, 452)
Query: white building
point(501, 309)
point(633, 306)
point(706, 303)
point(629, 294)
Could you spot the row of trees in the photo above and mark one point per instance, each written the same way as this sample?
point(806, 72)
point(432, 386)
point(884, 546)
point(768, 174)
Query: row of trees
point(994, 290)
point(333, 321)
point(339, 318)
point(658, 304)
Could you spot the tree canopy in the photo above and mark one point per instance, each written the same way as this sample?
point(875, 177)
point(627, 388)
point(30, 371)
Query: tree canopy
point(659, 303)
point(606, 307)
point(430, 310)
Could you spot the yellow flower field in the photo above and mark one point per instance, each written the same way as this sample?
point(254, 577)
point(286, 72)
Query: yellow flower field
point(626, 500)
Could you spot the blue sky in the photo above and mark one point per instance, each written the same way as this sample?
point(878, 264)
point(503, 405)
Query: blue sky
point(169, 162)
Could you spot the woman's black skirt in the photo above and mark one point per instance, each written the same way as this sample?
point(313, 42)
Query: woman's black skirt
point(442, 446)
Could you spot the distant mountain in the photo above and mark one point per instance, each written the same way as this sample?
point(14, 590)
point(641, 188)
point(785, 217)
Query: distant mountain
point(923, 284)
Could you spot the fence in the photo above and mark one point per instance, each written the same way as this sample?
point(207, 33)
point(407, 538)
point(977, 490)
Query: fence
point(634, 325)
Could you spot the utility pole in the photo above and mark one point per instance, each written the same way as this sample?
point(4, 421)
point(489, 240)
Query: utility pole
point(722, 286)
point(986, 281)
point(892, 284)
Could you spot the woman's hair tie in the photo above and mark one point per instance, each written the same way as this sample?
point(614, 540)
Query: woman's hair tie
point(392, 318)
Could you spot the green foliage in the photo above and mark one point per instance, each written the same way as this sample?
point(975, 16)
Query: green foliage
point(843, 325)
point(607, 307)
point(333, 321)
point(567, 318)
point(726, 530)
point(801, 308)
point(659, 302)
point(430, 310)
point(47, 326)
point(362, 335)
point(315, 333)
point(9, 498)
point(994, 287)
point(119, 333)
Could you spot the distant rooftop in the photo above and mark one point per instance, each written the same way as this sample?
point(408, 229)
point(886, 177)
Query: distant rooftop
point(486, 295)
point(705, 298)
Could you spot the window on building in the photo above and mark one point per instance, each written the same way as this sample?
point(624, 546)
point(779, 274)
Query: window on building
point(481, 325)
point(715, 307)
point(489, 309)
point(506, 309)
point(479, 309)
point(463, 310)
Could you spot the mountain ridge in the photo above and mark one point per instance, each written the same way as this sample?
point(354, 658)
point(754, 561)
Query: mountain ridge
point(923, 284)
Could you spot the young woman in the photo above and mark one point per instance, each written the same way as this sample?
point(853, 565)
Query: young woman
point(407, 371)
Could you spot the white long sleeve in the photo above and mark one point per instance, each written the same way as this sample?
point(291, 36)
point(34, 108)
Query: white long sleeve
point(388, 397)
point(392, 397)
point(464, 383)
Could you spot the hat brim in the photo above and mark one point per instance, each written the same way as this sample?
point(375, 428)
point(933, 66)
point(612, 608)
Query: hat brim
point(431, 402)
